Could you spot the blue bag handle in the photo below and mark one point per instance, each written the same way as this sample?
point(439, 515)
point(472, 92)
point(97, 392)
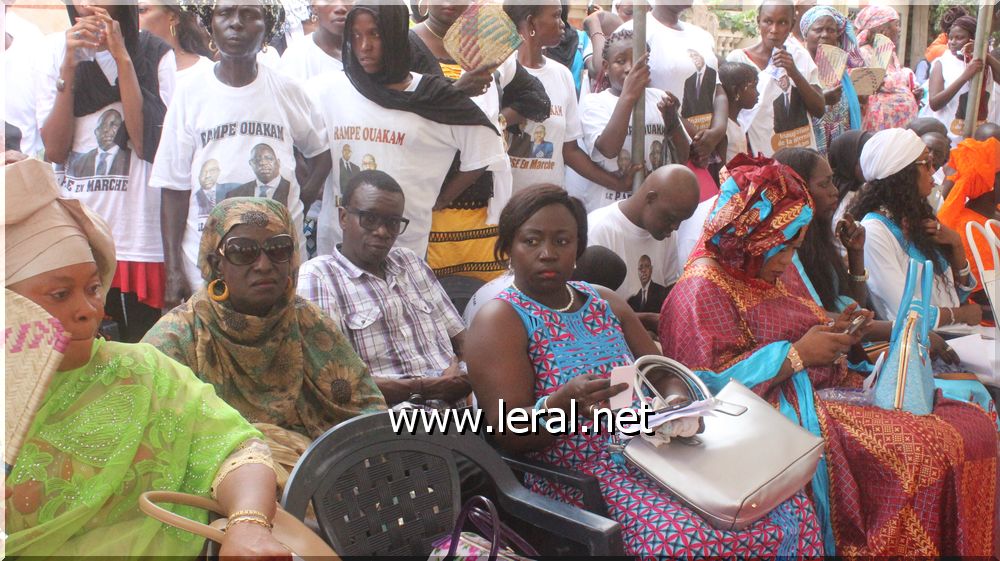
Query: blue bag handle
point(927, 282)
point(907, 301)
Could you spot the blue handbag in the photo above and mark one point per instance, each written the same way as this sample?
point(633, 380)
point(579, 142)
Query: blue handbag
point(906, 380)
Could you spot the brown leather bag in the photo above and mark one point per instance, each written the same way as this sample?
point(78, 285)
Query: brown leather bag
point(288, 530)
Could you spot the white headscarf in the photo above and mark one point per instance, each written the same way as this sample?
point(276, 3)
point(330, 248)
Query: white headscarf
point(888, 152)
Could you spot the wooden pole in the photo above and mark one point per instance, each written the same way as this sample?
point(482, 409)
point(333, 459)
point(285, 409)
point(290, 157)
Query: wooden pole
point(639, 111)
point(976, 85)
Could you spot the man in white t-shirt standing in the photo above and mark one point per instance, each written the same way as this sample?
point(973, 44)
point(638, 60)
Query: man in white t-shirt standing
point(638, 229)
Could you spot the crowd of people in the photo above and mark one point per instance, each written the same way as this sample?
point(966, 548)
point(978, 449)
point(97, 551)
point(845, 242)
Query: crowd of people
point(247, 216)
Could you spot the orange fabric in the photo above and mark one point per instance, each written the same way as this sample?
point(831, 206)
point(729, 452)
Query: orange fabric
point(937, 48)
point(976, 164)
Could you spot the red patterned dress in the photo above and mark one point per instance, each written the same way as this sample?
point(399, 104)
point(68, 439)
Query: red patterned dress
point(564, 345)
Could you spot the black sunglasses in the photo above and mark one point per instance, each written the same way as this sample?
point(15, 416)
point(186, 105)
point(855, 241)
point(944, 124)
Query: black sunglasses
point(371, 221)
point(244, 251)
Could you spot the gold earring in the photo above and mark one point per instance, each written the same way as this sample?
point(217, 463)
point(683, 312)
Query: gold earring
point(173, 30)
point(211, 45)
point(213, 293)
point(425, 12)
point(264, 49)
point(531, 33)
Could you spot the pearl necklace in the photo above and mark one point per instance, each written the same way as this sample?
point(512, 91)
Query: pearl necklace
point(572, 298)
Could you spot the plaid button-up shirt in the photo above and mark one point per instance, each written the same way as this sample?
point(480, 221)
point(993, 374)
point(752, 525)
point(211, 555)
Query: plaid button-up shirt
point(400, 326)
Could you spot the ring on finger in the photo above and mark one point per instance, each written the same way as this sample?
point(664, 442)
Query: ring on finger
point(77, 35)
point(938, 226)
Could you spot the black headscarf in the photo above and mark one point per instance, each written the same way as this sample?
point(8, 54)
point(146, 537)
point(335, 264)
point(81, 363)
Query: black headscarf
point(844, 153)
point(565, 51)
point(434, 97)
point(93, 92)
point(274, 15)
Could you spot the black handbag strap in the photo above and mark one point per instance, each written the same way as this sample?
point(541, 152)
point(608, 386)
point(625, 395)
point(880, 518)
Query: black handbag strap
point(483, 514)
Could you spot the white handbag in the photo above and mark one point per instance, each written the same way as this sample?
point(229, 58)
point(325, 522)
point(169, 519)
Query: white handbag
point(747, 461)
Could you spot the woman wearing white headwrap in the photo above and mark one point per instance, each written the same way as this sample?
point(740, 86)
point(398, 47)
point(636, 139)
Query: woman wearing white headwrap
point(118, 419)
point(900, 225)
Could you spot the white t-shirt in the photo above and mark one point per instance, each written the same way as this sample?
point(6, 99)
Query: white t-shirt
point(212, 127)
point(595, 112)
point(485, 293)
point(952, 115)
point(194, 69)
point(780, 118)
point(21, 63)
point(540, 160)
point(415, 151)
point(112, 181)
point(304, 59)
point(690, 231)
point(683, 62)
point(736, 140)
point(608, 227)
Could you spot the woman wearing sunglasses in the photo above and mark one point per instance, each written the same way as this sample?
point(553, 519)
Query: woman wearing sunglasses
point(274, 357)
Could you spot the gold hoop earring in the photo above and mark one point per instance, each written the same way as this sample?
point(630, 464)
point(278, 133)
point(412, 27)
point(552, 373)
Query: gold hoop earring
point(426, 11)
point(313, 18)
point(173, 30)
point(211, 46)
point(264, 48)
point(213, 293)
point(531, 33)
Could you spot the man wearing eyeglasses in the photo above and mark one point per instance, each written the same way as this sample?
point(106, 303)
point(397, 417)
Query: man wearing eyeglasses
point(387, 300)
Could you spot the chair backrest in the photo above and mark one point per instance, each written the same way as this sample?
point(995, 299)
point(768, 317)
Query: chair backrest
point(989, 277)
point(460, 289)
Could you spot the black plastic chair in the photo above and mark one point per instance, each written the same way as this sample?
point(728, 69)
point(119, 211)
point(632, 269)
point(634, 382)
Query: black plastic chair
point(589, 487)
point(460, 289)
point(376, 492)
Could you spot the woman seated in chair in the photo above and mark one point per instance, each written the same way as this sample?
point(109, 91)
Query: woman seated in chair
point(119, 419)
point(276, 358)
point(547, 343)
point(733, 316)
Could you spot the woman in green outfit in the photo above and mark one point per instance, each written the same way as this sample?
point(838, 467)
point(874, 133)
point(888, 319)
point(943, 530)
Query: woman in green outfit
point(118, 419)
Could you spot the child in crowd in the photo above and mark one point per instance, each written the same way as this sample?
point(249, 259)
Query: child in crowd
point(739, 81)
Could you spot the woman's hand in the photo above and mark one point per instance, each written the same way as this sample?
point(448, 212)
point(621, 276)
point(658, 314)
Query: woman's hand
point(969, 313)
point(851, 233)
point(251, 541)
point(588, 390)
point(85, 34)
point(941, 234)
point(475, 82)
point(832, 95)
point(975, 66)
point(624, 183)
point(783, 59)
point(637, 80)
point(669, 108)
point(111, 35)
point(847, 317)
point(941, 349)
point(918, 95)
point(822, 345)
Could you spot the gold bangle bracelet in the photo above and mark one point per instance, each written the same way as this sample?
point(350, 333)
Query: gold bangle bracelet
point(248, 512)
point(253, 520)
point(795, 360)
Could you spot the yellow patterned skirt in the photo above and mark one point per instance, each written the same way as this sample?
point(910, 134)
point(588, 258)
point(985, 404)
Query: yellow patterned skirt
point(461, 243)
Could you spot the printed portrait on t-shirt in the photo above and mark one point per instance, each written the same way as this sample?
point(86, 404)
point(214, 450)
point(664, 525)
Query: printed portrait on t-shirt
point(624, 162)
point(699, 91)
point(108, 158)
point(368, 163)
point(655, 155)
point(267, 181)
point(789, 109)
point(347, 168)
point(540, 148)
point(651, 294)
point(208, 179)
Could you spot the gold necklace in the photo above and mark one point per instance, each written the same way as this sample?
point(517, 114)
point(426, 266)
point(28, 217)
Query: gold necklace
point(572, 298)
point(428, 26)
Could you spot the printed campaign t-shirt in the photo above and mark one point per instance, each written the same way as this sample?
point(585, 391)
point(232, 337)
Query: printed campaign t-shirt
point(304, 59)
point(595, 112)
point(20, 63)
point(652, 265)
point(111, 180)
point(415, 151)
point(220, 142)
point(683, 62)
point(780, 118)
point(536, 153)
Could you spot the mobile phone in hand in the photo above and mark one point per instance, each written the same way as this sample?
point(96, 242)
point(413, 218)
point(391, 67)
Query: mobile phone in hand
point(855, 325)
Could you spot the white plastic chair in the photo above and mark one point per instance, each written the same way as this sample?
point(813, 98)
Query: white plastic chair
point(990, 278)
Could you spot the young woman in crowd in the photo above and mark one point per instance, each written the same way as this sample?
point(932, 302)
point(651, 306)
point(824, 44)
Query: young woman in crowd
point(951, 75)
point(234, 136)
point(901, 225)
point(414, 124)
point(739, 81)
point(118, 419)
point(105, 91)
point(320, 51)
point(823, 25)
point(788, 83)
point(682, 62)
point(273, 356)
point(540, 151)
point(845, 161)
point(897, 101)
point(463, 233)
point(525, 347)
point(179, 29)
point(607, 118)
point(778, 342)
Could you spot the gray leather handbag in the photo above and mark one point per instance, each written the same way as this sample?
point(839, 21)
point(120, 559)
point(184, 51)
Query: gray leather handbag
point(747, 461)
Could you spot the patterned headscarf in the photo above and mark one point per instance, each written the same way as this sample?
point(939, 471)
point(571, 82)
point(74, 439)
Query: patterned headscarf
point(848, 40)
point(761, 207)
point(274, 14)
point(292, 368)
point(265, 213)
point(871, 17)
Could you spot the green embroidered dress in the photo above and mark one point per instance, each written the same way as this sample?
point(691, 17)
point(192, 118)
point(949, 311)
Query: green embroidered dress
point(130, 420)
